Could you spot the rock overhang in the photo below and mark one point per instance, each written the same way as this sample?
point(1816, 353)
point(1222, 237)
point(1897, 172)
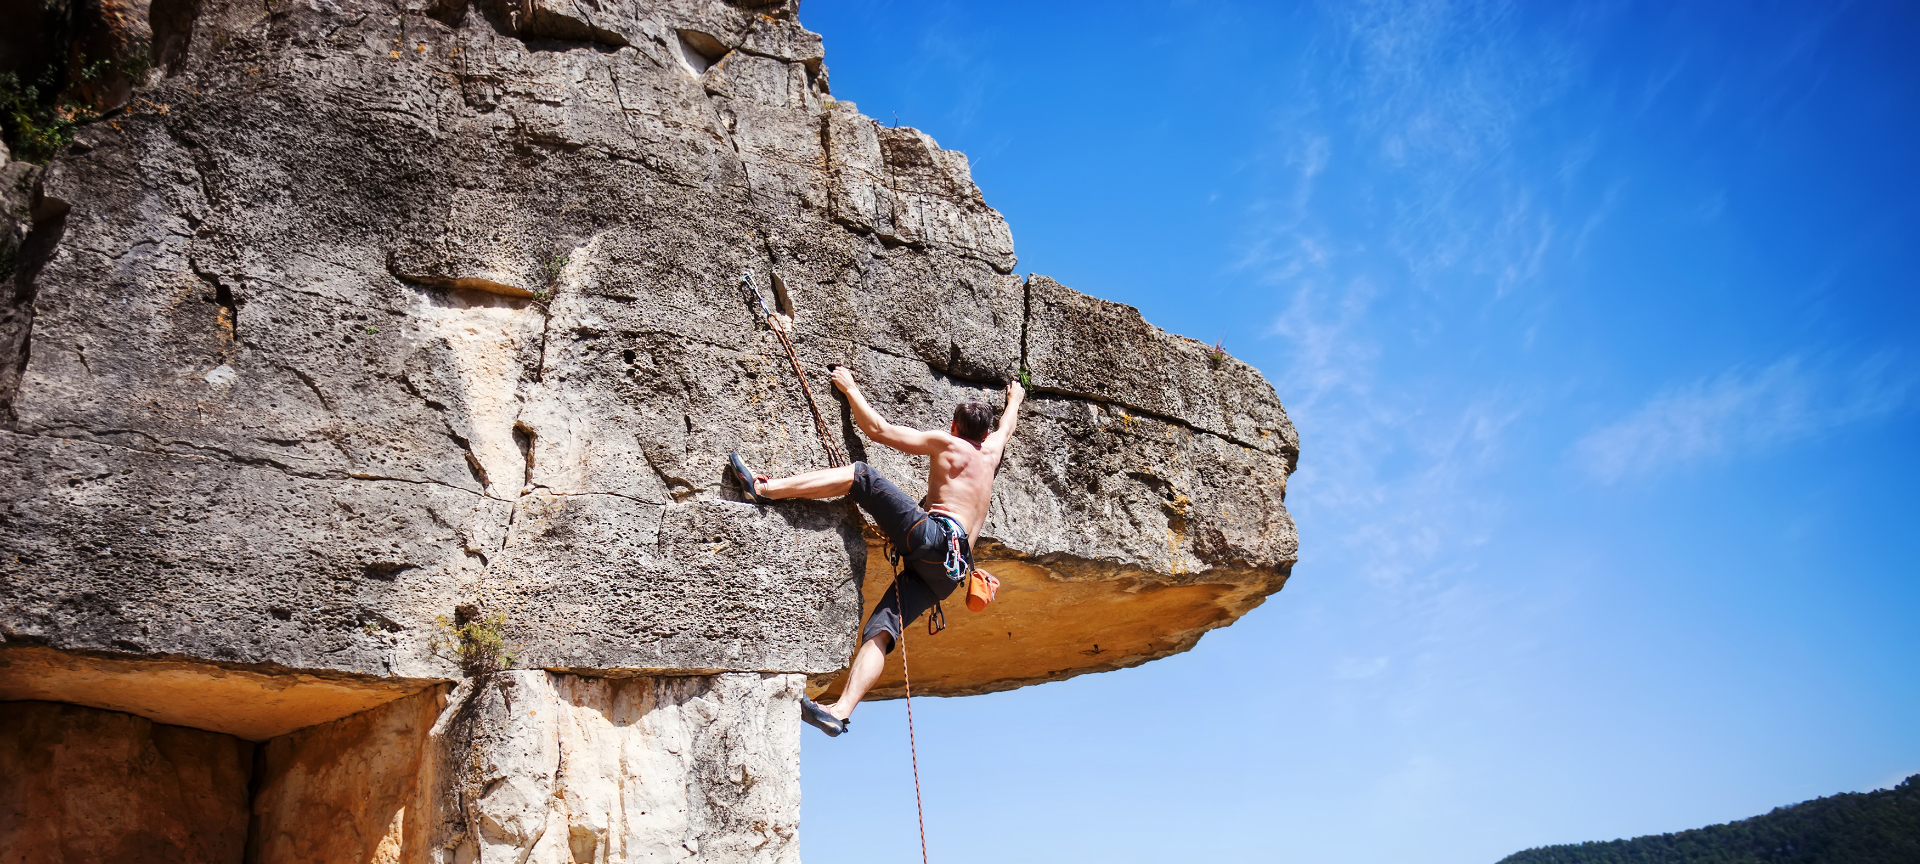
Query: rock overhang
point(478, 310)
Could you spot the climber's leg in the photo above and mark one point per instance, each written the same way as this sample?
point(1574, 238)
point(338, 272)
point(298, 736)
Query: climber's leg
point(905, 524)
point(824, 483)
point(915, 593)
point(867, 663)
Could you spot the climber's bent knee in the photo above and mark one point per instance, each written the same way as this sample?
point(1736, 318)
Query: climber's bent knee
point(883, 622)
point(891, 509)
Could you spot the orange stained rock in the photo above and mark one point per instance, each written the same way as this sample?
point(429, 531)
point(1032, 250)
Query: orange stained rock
point(365, 788)
point(79, 784)
point(254, 705)
point(1044, 627)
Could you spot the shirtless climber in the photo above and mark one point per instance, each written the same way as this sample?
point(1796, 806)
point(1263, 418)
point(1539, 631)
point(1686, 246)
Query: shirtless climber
point(959, 487)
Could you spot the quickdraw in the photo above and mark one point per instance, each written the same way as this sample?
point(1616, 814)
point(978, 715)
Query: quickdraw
point(835, 458)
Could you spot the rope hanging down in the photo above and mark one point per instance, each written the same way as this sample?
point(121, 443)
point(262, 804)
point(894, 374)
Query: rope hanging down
point(836, 458)
point(913, 749)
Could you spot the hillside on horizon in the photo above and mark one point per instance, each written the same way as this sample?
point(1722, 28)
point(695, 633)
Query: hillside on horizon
point(1878, 827)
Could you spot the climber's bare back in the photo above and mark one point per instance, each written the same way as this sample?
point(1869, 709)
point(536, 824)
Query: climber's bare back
point(960, 479)
point(959, 472)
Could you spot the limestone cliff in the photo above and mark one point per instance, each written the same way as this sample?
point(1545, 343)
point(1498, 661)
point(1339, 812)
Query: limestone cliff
point(350, 315)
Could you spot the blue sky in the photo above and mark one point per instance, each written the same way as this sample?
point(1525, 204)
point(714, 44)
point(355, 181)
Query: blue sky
point(1599, 325)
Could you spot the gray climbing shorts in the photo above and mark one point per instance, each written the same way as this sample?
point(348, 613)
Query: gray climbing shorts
point(923, 580)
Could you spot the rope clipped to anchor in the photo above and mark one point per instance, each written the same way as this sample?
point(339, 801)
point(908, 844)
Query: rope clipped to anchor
point(835, 459)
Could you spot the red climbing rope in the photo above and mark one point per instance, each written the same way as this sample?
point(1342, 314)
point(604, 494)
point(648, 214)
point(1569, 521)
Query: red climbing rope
point(835, 459)
point(913, 748)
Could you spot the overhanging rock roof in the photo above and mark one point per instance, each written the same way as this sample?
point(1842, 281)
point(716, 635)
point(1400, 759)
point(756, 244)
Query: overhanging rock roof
point(338, 337)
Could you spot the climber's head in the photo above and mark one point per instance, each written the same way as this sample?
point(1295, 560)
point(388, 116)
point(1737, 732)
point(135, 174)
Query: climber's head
point(972, 421)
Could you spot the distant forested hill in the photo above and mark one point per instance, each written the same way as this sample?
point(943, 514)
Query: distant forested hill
point(1880, 827)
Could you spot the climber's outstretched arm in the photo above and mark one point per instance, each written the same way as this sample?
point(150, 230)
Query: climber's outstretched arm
point(997, 439)
point(905, 439)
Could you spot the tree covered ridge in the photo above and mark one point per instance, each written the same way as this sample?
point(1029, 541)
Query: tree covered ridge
point(1879, 827)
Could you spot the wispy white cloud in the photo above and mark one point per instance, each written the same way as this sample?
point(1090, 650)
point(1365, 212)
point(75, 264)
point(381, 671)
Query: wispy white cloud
point(1440, 94)
point(1744, 412)
point(1429, 97)
point(1414, 135)
point(1355, 668)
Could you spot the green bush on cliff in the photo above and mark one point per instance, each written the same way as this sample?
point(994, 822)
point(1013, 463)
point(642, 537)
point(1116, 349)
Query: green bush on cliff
point(39, 118)
point(478, 643)
point(1880, 827)
point(36, 124)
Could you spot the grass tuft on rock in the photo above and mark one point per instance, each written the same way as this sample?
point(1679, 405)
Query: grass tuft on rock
point(478, 642)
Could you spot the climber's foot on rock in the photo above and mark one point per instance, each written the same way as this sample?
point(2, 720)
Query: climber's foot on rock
point(748, 480)
point(819, 718)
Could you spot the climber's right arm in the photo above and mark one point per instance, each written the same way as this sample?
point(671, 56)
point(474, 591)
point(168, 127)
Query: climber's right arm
point(905, 439)
point(1016, 394)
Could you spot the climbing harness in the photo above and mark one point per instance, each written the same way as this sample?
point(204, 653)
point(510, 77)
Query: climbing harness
point(937, 616)
point(981, 585)
point(835, 459)
point(956, 561)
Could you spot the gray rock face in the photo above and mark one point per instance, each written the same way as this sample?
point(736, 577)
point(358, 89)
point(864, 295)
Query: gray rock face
point(360, 317)
point(22, 251)
point(365, 313)
point(531, 766)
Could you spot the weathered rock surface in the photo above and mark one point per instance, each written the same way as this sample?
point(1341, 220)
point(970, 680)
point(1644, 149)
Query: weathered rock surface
point(377, 786)
point(544, 768)
point(246, 703)
point(364, 313)
point(80, 784)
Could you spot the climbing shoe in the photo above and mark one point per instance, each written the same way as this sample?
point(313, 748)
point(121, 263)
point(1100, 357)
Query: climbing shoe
point(818, 718)
point(745, 476)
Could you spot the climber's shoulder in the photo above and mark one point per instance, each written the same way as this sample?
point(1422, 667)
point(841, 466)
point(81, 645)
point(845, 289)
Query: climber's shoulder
point(961, 457)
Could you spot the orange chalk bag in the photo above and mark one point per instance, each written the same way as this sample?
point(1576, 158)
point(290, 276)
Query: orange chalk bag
point(981, 586)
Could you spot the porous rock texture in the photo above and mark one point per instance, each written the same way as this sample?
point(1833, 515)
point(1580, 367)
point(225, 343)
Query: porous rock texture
point(543, 768)
point(286, 397)
point(358, 314)
point(81, 784)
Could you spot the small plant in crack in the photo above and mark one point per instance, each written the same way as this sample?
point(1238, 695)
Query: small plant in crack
point(1218, 355)
point(40, 118)
point(554, 264)
point(370, 329)
point(476, 641)
point(550, 270)
point(1026, 378)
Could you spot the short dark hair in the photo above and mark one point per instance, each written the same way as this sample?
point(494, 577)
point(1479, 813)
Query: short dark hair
point(973, 420)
